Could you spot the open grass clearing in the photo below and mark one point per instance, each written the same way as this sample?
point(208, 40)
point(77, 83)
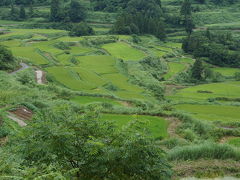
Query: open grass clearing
point(211, 112)
point(157, 125)
point(124, 51)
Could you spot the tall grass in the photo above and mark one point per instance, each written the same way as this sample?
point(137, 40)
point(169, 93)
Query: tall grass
point(206, 150)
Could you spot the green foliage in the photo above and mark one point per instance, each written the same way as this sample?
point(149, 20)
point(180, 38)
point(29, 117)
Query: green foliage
point(221, 49)
point(7, 61)
point(197, 70)
point(237, 76)
point(81, 29)
point(95, 149)
point(77, 11)
point(137, 19)
point(55, 12)
point(22, 13)
point(26, 77)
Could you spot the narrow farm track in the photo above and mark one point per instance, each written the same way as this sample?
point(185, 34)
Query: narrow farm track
point(23, 67)
point(174, 123)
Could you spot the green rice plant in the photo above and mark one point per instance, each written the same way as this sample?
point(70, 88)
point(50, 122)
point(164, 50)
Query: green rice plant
point(30, 54)
point(99, 64)
point(211, 112)
point(229, 89)
point(124, 51)
point(234, 141)
point(88, 99)
point(76, 78)
point(174, 68)
point(156, 125)
point(226, 71)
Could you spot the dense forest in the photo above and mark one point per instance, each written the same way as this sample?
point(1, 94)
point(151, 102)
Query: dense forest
point(119, 89)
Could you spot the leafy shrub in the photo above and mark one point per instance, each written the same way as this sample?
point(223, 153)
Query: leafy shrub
point(81, 29)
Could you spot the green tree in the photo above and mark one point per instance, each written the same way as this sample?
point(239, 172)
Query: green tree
point(141, 17)
point(14, 14)
point(237, 76)
point(22, 13)
point(77, 11)
point(94, 148)
point(186, 9)
point(186, 16)
point(189, 25)
point(197, 70)
point(55, 11)
point(81, 29)
point(7, 61)
point(31, 11)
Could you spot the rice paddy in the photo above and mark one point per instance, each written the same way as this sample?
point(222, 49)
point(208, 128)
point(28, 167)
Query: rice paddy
point(211, 112)
point(228, 89)
point(157, 126)
point(124, 51)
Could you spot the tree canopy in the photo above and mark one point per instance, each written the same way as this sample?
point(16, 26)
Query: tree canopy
point(7, 61)
point(141, 17)
point(89, 148)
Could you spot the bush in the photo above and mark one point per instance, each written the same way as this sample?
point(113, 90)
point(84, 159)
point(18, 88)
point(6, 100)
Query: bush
point(7, 61)
point(81, 29)
point(237, 76)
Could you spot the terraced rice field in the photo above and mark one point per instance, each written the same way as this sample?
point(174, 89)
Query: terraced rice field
point(157, 125)
point(211, 112)
point(234, 141)
point(229, 89)
point(124, 51)
point(226, 71)
point(76, 78)
point(30, 54)
point(174, 68)
point(88, 99)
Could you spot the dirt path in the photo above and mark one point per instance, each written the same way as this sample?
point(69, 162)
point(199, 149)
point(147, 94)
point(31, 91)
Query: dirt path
point(225, 139)
point(173, 125)
point(23, 67)
point(39, 76)
point(14, 118)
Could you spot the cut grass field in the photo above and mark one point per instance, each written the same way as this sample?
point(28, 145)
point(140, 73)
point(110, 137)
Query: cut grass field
point(229, 89)
point(124, 51)
point(89, 99)
point(174, 68)
point(211, 112)
point(157, 125)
